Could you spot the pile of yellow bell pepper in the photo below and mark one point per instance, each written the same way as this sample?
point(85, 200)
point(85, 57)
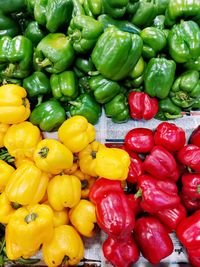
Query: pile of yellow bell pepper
point(44, 196)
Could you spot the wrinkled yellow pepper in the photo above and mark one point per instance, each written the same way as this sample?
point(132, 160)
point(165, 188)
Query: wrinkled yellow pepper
point(72, 169)
point(3, 129)
point(87, 158)
point(27, 184)
point(52, 156)
point(28, 228)
point(21, 139)
point(64, 191)
point(83, 217)
point(7, 208)
point(112, 163)
point(66, 247)
point(5, 172)
point(76, 133)
point(14, 106)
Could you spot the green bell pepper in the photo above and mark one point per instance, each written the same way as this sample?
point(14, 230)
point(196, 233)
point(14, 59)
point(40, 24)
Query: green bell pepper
point(15, 56)
point(8, 26)
point(48, 116)
point(10, 6)
point(159, 22)
point(64, 85)
point(34, 32)
point(83, 66)
point(123, 25)
point(186, 89)
point(84, 32)
point(118, 109)
point(159, 77)
point(184, 41)
point(53, 14)
point(115, 8)
point(85, 105)
point(132, 7)
point(182, 9)
point(154, 41)
point(116, 53)
point(104, 90)
point(92, 8)
point(37, 85)
point(77, 9)
point(168, 110)
point(192, 64)
point(54, 53)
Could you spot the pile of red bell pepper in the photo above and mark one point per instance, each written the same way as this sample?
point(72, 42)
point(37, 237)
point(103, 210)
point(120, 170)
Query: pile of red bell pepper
point(161, 196)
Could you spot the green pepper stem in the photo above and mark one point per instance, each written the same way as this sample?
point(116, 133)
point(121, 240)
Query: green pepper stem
point(198, 188)
point(84, 184)
point(138, 193)
point(39, 100)
point(15, 205)
point(76, 36)
point(93, 73)
point(172, 116)
point(46, 62)
point(75, 103)
point(43, 152)
point(30, 217)
point(9, 70)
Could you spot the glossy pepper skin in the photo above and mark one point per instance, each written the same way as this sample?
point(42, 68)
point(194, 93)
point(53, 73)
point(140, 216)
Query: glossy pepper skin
point(186, 89)
point(170, 136)
point(84, 32)
point(104, 90)
point(5, 172)
point(184, 41)
point(15, 56)
point(82, 66)
point(64, 85)
point(86, 211)
point(37, 85)
point(149, 234)
point(52, 156)
point(117, 108)
point(3, 129)
point(160, 163)
point(194, 138)
point(28, 222)
point(193, 256)
point(14, 105)
point(188, 231)
point(85, 105)
point(139, 140)
point(8, 27)
point(49, 115)
point(159, 77)
point(53, 15)
point(191, 204)
point(11, 6)
point(116, 53)
point(142, 106)
point(27, 185)
point(65, 246)
point(113, 210)
point(121, 253)
point(189, 156)
point(116, 9)
point(168, 110)
point(191, 185)
point(157, 194)
point(7, 208)
point(34, 32)
point(54, 53)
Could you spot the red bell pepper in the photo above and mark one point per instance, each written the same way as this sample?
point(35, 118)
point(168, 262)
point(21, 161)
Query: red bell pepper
point(194, 256)
point(191, 204)
point(157, 194)
point(139, 140)
point(152, 239)
point(142, 106)
point(170, 218)
point(114, 213)
point(170, 136)
point(135, 203)
point(191, 185)
point(189, 155)
point(188, 231)
point(121, 253)
point(195, 137)
point(160, 163)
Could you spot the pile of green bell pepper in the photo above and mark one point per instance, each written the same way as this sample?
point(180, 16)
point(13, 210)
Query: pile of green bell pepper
point(86, 56)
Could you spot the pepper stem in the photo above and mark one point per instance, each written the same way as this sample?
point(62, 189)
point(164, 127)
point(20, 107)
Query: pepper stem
point(76, 36)
point(75, 103)
point(39, 100)
point(138, 193)
point(15, 205)
point(93, 73)
point(172, 116)
point(44, 63)
point(30, 217)
point(9, 70)
point(65, 259)
point(44, 152)
point(198, 188)
point(84, 184)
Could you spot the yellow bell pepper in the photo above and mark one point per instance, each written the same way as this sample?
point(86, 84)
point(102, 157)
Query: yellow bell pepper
point(72, 169)
point(7, 208)
point(87, 158)
point(66, 247)
point(83, 217)
point(21, 139)
point(86, 182)
point(112, 163)
point(3, 129)
point(5, 172)
point(27, 184)
point(28, 228)
point(19, 161)
point(76, 133)
point(64, 191)
point(14, 106)
point(52, 156)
